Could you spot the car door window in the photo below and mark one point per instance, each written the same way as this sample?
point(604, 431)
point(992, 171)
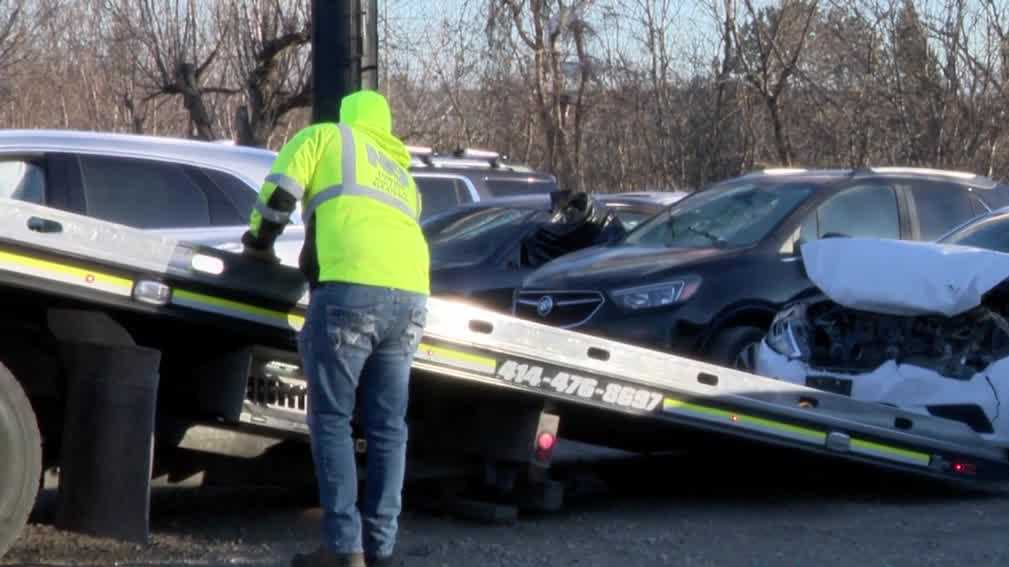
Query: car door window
point(991, 234)
point(230, 199)
point(940, 207)
point(142, 193)
point(22, 181)
point(868, 211)
point(441, 193)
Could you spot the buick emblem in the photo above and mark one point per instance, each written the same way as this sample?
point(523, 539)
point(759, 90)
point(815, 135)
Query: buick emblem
point(545, 306)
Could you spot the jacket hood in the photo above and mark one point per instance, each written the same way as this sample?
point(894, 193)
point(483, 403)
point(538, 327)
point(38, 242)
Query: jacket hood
point(369, 112)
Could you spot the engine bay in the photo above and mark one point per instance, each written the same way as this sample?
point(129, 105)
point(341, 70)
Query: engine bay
point(852, 341)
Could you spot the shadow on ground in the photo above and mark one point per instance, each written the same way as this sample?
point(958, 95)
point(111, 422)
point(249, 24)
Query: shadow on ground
point(651, 506)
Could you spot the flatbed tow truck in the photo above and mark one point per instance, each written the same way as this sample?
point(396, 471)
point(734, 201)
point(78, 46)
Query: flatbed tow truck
point(114, 337)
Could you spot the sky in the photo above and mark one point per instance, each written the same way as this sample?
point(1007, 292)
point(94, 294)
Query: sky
point(693, 28)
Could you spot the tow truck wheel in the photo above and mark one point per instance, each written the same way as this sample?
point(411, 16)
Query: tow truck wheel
point(20, 459)
point(735, 347)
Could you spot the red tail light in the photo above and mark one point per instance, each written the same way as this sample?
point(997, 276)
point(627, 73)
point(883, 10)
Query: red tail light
point(546, 441)
point(964, 468)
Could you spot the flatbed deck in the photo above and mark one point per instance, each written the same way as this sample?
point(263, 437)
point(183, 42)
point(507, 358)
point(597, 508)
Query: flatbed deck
point(129, 269)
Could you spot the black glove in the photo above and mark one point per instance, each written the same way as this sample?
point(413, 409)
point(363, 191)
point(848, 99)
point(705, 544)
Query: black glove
point(261, 254)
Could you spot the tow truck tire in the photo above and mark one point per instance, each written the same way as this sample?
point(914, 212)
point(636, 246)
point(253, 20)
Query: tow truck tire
point(20, 459)
point(730, 343)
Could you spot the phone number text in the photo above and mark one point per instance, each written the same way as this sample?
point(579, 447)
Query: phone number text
point(583, 387)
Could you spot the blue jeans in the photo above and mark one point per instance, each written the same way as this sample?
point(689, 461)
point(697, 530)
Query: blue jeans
point(360, 335)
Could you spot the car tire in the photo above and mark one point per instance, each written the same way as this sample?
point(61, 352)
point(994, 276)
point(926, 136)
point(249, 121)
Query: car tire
point(20, 459)
point(730, 346)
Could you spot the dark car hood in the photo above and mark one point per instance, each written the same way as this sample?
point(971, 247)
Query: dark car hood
point(446, 264)
point(608, 266)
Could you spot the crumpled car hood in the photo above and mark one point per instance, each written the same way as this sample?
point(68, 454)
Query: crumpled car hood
point(906, 278)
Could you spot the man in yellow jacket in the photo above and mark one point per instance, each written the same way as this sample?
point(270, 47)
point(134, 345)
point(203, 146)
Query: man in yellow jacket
point(366, 261)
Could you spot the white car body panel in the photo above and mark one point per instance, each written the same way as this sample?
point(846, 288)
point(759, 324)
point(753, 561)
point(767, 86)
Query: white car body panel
point(909, 387)
point(907, 278)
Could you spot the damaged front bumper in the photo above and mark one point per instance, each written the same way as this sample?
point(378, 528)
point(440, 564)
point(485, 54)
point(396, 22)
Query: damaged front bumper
point(975, 401)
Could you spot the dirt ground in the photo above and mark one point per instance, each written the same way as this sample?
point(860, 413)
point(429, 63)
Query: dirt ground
point(750, 508)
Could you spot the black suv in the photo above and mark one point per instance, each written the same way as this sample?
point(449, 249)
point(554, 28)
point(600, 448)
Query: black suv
point(470, 176)
point(705, 277)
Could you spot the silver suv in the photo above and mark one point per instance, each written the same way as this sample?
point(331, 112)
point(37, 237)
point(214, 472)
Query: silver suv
point(468, 176)
point(204, 191)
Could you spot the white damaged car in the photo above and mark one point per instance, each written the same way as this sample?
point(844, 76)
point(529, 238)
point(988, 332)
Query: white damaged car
point(918, 325)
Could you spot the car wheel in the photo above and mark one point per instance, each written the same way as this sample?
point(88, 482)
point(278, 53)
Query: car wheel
point(736, 347)
point(20, 459)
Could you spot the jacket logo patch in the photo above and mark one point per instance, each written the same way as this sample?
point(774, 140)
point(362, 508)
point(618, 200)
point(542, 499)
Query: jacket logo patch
point(377, 159)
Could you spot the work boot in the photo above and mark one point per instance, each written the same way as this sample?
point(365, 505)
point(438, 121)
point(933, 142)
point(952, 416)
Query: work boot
point(322, 557)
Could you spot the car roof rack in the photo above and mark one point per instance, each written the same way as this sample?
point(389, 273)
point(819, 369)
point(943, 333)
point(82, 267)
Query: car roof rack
point(491, 157)
point(421, 154)
point(925, 171)
point(769, 169)
point(976, 180)
point(470, 158)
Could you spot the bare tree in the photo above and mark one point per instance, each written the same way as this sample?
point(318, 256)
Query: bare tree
point(609, 95)
point(16, 26)
point(267, 56)
point(976, 49)
point(723, 68)
point(552, 36)
point(174, 45)
point(770, 47)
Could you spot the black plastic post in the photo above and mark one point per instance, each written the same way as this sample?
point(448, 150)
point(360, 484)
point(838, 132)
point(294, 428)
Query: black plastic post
point(108, 439)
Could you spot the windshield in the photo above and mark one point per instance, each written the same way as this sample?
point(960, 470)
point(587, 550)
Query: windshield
point(733, 214)
point(631, 217)
point(992, 234)
point(473, 237)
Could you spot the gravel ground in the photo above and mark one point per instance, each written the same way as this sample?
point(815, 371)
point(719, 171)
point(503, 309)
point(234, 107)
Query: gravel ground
point(750, 508)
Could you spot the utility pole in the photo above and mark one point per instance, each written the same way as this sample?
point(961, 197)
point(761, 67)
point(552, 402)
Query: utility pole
point(344, 53)
point(369, 44)
point(333, 68)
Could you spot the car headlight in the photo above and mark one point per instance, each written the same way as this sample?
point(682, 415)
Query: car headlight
point(657, 295)
point(789, 334)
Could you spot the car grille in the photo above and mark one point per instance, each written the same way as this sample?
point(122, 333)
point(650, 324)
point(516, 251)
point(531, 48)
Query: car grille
point(278, 388)
point(558, 308)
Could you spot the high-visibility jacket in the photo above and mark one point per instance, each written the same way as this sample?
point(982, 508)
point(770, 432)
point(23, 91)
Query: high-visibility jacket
point(360, 205)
